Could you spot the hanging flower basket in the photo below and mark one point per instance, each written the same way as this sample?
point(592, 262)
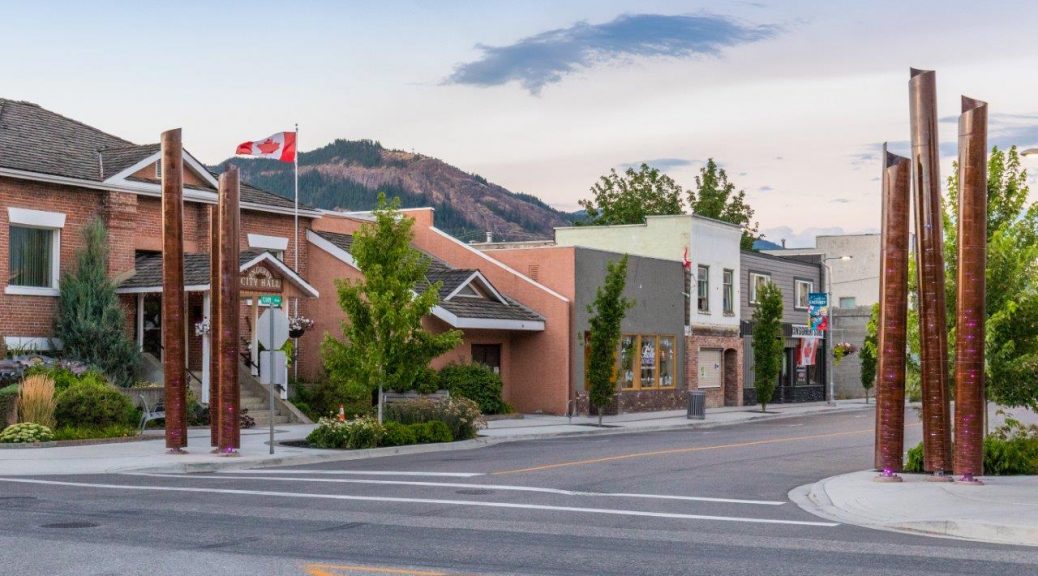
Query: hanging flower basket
point(202, 327)
point(298, 325)
point(842, 350)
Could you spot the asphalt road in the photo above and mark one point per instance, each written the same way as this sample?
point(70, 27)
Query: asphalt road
point(664, 503)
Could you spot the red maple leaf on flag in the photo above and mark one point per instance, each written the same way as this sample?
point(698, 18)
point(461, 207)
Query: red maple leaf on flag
point(268, 146)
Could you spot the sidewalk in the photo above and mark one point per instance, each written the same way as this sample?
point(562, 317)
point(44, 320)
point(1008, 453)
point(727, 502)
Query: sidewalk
point(150, 455)
point(1002, 511)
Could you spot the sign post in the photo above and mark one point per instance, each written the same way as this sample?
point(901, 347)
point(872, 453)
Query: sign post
point(272, 301)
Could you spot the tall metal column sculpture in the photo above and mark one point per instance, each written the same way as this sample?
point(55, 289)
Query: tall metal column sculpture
point(893, 317)
point(930, 260)
point(173, 335)
point(969, 327)
point(230, 310)
point(214, 325)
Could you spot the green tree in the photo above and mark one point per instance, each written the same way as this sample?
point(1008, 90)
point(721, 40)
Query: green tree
point(767, 342)
point(716, 197)
point(869, 352)
point(608, 309)
point(1011, 299)
point(90, 321)
point(630, 197)
point(384, 344)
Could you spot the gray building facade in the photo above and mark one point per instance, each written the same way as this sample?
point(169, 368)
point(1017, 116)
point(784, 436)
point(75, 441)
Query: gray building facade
point(652, 352)
point(800, 380)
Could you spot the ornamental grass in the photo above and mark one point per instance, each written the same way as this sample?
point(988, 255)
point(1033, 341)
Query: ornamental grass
point(36, 401)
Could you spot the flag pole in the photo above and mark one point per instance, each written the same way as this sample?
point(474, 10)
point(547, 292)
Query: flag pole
point(295, 213)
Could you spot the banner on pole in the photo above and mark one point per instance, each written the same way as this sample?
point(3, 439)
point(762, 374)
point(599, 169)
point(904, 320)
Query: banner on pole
point(818, 311)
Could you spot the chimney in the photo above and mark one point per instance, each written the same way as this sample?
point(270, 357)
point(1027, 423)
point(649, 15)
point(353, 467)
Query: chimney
point(490, 236)
point(783, 242)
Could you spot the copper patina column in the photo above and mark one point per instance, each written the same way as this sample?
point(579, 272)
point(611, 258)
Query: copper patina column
point(173, 359)
point(214, 325)
point(933, 328)
point(893, 317)
point(969, 327)
point(230, 440)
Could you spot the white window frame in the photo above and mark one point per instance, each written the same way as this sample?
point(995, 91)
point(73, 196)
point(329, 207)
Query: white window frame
point(753, 284)
point(53, 221)
point(703, 268)
point(797, 283)
point(853, 300)
point(728, 291)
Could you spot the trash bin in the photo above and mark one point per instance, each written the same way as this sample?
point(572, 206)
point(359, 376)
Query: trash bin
point(697, 404)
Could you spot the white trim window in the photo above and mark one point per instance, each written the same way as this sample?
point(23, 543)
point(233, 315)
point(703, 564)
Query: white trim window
point(803, 288)
point(276, 245)
point(728, 279)
point(757, 280)
point(34, 252)
point(703, 289)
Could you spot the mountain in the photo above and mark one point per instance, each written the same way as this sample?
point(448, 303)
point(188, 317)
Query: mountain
point(349, 174)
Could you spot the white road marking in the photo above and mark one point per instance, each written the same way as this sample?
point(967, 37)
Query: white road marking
point(506, 505)
point(501, 487)
point(360, 473)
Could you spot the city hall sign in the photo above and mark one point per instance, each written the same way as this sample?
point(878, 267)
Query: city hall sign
point(260, 279)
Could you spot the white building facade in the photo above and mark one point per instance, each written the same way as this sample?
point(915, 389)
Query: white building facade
point(710, 251)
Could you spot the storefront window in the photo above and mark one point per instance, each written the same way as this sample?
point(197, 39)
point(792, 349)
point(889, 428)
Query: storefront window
point(647, 361)
point(627, 362)
point(666, 362)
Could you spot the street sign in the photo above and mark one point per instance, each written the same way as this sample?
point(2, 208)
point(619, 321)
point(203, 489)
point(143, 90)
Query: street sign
point(272, 328)
point(271, 300)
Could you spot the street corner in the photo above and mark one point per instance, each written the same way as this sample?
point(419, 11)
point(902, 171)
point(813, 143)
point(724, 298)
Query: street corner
point(1002, 510)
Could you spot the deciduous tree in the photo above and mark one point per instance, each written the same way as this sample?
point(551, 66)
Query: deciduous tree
point(384, 344)
point(716, 197)
point(868, 352)
point(608, 309)
point(767, 342)
point(629, 197)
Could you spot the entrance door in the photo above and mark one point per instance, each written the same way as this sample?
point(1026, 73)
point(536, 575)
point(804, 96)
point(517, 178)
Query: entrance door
point(489, 355)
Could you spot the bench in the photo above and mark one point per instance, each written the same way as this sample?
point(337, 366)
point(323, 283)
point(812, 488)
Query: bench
point(393, 397)
point(147, 415)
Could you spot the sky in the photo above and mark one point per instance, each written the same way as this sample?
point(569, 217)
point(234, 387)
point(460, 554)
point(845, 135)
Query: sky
point(792, 98)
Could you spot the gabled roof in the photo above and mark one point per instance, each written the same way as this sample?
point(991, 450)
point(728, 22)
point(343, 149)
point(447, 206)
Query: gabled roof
point(148, 275)
point(460, 311)
point(37, 141)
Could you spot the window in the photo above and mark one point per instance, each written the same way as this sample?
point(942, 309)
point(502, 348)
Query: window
point(34, 250)
point(647, 362)
point(158, 168)
point(757, 280)
point(703, 283)
point(803, 288)
point(729, 291)
point(848, 302)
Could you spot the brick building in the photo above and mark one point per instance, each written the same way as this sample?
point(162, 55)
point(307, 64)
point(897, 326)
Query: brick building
point(57, 175)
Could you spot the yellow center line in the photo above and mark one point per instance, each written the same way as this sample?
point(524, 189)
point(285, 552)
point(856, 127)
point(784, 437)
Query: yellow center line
point(678, 451)
point(315, 569)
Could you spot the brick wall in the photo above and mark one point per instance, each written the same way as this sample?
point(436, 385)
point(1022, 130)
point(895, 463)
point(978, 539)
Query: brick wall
point(730, 392)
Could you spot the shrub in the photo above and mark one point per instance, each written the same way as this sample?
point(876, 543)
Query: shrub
point(90, 402)
point(476, 382)
point(428, 381)
point(461, 415)
point(914, 461)
point(83, 433)
point(36, 400)
point(323, 400)
point(1010, 449)
point(8, 401)
point(26, 432)
point(352, 434)
point(398, 434)
point(432, 432)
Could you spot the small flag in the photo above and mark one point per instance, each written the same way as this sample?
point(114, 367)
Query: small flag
point(280, 146)
point(685, 261)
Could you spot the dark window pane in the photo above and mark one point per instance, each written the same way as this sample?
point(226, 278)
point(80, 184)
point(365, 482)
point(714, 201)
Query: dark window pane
point(30, 257)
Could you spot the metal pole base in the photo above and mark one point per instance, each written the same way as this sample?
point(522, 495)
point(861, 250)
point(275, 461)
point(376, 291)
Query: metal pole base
point(939, 476)
point(969, 480)
point(887, 476)
point(176, 451)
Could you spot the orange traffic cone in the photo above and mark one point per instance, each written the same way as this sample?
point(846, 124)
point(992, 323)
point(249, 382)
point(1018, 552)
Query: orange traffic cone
point(342, 413)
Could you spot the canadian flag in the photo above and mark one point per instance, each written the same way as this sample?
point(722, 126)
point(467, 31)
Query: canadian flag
point(685, 261)
point(281, 146)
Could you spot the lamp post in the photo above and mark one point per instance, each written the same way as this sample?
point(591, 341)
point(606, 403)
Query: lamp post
point(830, 358)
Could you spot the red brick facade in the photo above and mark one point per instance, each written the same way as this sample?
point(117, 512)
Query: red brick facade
point(729, 342)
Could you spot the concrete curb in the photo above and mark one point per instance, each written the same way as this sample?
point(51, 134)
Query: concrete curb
point(814, 499)
point(315, 456)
